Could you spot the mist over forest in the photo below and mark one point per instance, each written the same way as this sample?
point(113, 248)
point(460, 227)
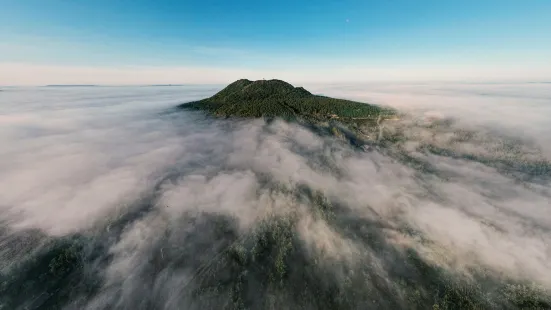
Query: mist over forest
point(113, 199)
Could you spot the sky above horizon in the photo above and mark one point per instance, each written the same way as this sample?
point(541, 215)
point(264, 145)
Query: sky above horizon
point(172, 42)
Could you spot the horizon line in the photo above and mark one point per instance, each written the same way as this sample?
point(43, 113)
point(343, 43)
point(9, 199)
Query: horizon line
point(311, 83)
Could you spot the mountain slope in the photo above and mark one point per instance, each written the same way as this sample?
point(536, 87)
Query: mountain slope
point(276, 98)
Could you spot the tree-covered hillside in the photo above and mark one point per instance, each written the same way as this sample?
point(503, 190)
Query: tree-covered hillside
point(276, 98)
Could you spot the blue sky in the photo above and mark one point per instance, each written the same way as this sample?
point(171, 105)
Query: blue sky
point(353, 39)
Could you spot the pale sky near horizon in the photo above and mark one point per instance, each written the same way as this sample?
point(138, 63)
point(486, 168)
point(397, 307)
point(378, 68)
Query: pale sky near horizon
point(175, 42)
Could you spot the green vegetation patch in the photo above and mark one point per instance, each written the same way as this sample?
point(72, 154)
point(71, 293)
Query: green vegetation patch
point(276, 98)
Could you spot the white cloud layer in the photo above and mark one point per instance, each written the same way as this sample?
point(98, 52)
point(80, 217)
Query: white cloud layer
point(79, 159)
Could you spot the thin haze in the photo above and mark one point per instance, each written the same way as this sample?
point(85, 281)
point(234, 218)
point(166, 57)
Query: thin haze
point(120, 166)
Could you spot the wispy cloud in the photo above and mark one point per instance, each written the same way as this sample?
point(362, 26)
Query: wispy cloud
point(164, 195)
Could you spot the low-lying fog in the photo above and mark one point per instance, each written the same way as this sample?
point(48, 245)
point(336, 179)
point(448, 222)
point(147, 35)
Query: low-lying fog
point(140, 203)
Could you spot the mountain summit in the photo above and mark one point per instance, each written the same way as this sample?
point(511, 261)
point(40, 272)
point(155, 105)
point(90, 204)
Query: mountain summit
point(261, 89)
point(276, 98)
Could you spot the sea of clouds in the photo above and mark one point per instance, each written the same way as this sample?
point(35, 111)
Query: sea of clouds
point(122, 166)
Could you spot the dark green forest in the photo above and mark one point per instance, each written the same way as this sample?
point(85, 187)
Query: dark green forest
point(276, 98)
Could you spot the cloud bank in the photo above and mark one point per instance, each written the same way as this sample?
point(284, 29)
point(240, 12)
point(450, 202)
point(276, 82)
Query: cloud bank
point(130, 204)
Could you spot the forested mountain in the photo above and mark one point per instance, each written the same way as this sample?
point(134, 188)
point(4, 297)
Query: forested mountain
point(276, 98)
